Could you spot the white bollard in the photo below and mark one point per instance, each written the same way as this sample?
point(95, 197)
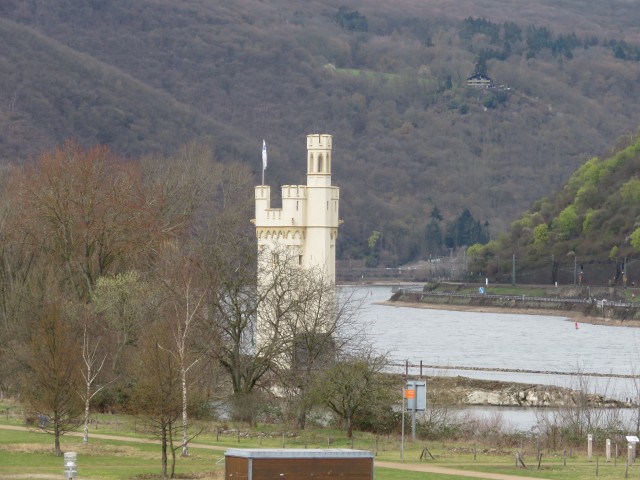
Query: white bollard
point(608, 451)
point(589, 447)
point(70, 465)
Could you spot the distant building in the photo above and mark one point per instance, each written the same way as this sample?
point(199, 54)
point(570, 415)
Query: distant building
point(477, 80)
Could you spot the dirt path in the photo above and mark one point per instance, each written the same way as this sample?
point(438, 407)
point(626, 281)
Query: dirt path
point(426, 468)
point(449, 471)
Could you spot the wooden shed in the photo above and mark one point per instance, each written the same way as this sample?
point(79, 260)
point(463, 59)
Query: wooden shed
point(287, 464)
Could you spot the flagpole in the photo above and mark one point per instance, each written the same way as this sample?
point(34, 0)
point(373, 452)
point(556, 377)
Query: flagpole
point(264, 159)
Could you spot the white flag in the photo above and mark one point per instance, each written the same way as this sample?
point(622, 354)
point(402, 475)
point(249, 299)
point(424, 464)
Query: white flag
point(264, 155)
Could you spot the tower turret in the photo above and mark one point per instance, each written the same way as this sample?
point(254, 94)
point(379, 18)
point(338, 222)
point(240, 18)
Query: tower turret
point(319, 154)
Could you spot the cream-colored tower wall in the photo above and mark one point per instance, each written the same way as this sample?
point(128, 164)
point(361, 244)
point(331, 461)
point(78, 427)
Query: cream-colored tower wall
point(322, 207)
point(307, 223)
point(302, 232)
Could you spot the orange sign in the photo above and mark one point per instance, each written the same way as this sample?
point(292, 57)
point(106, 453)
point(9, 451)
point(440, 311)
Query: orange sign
point(409, 393)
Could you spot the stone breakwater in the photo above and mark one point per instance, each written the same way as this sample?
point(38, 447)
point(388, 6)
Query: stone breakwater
point(467, 391)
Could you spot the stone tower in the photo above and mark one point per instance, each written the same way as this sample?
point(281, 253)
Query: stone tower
point(299, 235)
point(307, 224)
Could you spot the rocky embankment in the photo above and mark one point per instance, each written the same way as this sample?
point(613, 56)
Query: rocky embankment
point(574, 302)
point(469, 391)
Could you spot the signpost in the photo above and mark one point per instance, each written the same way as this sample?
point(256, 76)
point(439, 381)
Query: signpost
point(415, 394)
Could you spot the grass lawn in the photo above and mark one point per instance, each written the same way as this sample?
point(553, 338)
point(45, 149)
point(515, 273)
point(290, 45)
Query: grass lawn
point(494, 289)
point(30, 453)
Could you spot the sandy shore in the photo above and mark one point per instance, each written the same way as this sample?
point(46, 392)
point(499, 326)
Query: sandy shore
point(569, 315)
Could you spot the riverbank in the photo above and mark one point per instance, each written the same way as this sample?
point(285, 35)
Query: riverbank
point(570, 315)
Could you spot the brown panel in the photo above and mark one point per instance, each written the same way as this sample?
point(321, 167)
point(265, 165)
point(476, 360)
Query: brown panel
point(312, 468)
point(236, 468)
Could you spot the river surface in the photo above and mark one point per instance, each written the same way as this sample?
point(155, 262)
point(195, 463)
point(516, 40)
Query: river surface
point(504, 340)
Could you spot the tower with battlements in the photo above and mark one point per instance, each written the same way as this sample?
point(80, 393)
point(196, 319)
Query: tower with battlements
point(303, 231)
point(307, 223)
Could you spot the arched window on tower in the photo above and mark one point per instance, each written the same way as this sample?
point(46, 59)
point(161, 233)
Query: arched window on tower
point(310, 167)
point(320, 169)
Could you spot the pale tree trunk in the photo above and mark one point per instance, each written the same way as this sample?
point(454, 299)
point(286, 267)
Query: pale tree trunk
point(181, 337)
point(87, 401)
point(90, 357)
point(185, 438)
point(186, 303)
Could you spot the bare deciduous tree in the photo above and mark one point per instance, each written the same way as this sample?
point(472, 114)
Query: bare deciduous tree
point(52, 378)
point(582, 412)
point(355, 387)
point(86, 212)
point(179, 275)
point(232, 305)
point(93, 359)
point(157, 392)
point(322, 325)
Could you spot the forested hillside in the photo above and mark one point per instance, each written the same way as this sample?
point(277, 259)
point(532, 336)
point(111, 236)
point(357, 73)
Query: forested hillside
point(589, 229)
point(387, 80)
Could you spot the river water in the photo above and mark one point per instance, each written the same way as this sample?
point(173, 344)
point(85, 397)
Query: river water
point(504, 340)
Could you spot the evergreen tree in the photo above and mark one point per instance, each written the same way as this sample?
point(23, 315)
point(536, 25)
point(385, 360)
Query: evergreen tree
point(465, 230)
point(433, 237)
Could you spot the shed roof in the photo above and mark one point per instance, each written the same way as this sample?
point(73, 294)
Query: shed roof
point(297, 453)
